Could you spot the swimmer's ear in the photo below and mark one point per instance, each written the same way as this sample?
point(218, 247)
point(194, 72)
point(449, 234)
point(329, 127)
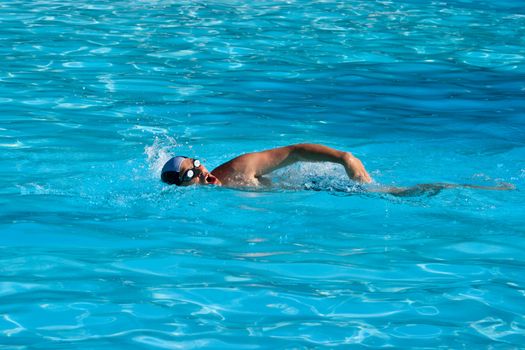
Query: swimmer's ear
point(170, 177)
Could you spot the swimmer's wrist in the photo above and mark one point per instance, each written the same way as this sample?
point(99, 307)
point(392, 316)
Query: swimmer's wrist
point(346, 158)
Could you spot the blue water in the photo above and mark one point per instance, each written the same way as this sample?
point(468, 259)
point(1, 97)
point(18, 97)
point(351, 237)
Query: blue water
point(95, 252)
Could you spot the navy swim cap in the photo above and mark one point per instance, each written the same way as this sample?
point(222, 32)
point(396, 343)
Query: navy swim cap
point(171, 170)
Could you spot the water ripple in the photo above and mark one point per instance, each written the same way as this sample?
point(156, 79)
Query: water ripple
point(97, 253)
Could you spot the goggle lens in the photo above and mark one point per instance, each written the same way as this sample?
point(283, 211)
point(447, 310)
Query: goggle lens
point(189, 174)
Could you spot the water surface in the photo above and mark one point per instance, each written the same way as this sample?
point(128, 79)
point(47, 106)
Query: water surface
point(97, 253)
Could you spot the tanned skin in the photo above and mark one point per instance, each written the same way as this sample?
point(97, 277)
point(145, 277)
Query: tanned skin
point(248, 169)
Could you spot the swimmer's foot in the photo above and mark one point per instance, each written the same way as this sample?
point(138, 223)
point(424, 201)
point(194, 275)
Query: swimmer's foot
point(502, 186)
point(505, 186)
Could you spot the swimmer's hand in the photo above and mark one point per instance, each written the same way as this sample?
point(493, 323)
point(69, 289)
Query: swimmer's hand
point(355, 169)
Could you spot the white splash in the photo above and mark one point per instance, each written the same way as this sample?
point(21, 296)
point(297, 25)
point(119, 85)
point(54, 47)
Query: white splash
point(159, 153)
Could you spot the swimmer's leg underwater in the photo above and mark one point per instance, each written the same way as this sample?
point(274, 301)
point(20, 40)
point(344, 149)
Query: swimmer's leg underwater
point(435, 188)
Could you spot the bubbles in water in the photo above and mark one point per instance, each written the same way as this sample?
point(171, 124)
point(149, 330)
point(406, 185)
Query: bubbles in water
point(315, 177)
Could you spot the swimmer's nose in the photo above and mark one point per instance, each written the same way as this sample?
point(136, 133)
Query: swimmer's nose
point(201, 173)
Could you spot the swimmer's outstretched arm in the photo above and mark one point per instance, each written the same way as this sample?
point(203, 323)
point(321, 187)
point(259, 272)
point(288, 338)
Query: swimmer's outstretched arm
point(260, 163)
point(435, 188)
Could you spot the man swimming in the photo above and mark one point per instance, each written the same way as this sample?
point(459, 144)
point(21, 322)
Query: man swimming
point(249, 169)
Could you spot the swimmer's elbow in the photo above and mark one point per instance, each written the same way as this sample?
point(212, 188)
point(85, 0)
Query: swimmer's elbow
point(317, 153)
point(301, 151)
point(295, 152)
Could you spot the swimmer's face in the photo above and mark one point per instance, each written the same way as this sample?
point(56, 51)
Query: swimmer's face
point(194, 173)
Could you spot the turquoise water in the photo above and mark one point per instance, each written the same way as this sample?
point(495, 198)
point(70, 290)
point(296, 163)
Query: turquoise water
point(97, 253)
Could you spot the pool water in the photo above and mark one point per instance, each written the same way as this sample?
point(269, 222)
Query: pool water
point(97, 253)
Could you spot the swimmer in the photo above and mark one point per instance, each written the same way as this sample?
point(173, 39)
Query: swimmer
point(249, 169)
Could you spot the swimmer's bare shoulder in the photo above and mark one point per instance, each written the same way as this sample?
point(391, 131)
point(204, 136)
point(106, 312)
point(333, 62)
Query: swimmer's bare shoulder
point(248, 169)
point(232, 173)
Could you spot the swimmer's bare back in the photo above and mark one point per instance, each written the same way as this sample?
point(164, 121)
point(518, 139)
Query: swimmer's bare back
point(248, 170)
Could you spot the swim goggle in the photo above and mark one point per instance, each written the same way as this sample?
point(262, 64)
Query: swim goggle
point(190, 173)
